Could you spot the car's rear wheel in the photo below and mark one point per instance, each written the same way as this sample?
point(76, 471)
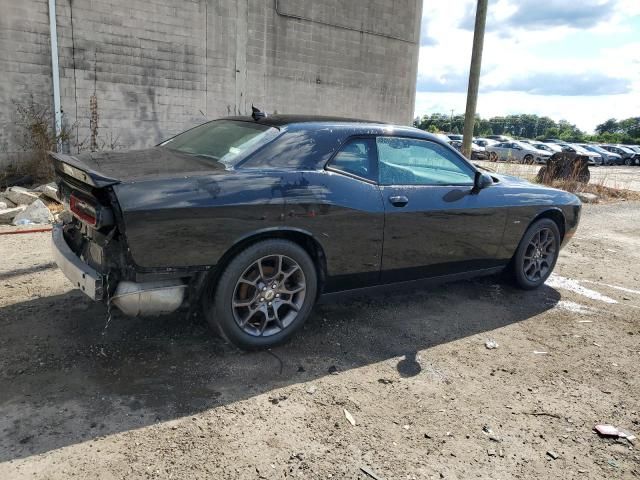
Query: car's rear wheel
point(627, 162)
point(493, 156)
point(537, 254)
point(528, 159)
point(264, 295)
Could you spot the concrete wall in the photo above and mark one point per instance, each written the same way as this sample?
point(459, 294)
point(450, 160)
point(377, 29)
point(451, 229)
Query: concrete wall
point(160, 66)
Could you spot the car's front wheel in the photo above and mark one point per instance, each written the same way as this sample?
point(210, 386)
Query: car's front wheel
point(264, 296)
point(537, 254)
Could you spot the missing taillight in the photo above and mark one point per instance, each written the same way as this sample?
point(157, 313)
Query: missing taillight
point(84, 209)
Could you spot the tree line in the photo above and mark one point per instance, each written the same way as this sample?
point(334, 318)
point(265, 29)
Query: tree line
point(533, 126)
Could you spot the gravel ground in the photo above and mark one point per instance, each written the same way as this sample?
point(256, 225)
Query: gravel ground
point(162, 398)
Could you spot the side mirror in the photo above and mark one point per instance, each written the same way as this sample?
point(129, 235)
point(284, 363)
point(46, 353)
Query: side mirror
point(481, 180)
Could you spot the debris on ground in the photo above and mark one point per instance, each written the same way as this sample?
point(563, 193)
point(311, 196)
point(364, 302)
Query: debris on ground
point(605, 430)
point(553, 454)
point(371, 473)
point(7, 202)
point(37, 212)
point(49, 190)
point(8, 214)
point(311, 390)
point(491, 344)
point(333, 370)
point(349, 417)
point(21, 195)
point(537, 352)
point(278, 398)
point(588, 197)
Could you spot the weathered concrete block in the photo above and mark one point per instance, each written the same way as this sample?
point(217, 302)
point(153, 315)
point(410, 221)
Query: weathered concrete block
point(49, 190)
point(8, 214)
point(21, 195)
point(37, 212)
point(7, 202)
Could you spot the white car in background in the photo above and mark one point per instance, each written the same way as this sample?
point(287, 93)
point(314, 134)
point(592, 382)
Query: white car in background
point(515, 151)
point(593, 157)
point(548, 147)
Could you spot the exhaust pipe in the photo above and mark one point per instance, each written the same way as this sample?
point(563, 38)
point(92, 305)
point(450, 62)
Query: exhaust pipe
point(150, 298)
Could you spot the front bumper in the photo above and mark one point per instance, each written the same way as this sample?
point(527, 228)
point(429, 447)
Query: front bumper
point(83, 277)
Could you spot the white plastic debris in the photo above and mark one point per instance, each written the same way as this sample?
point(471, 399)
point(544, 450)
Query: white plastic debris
point(491, 344)
point(349, 417)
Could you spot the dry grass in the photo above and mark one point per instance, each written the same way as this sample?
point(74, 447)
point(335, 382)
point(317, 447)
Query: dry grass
point(605, 194)
point(605, 187)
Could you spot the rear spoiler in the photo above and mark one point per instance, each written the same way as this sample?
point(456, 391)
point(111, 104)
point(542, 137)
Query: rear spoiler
point(71, 166)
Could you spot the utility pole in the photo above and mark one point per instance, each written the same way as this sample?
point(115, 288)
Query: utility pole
point(451, 122)
point(474, 76)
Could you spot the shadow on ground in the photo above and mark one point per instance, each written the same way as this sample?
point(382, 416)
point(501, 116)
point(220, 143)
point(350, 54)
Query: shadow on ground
point(62, 381)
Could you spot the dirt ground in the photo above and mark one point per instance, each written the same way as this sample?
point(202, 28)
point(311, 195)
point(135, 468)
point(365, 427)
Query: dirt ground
point(161, 398)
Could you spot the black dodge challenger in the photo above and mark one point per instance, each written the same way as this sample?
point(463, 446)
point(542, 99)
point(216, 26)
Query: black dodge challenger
point(258, 217)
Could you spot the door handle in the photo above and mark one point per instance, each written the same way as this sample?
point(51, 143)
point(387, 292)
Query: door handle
point(398, 200)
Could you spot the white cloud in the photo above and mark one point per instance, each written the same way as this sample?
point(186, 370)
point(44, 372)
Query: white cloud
point(543, 70)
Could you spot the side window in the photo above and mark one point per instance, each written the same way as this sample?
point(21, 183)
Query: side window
point(407, 161)
point(355, 157)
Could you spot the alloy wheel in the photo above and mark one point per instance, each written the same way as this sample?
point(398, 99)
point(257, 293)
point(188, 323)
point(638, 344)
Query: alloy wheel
point(268, 295)
point(539, 255)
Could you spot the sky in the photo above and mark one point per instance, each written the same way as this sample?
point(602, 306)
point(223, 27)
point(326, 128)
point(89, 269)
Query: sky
point(577, 60)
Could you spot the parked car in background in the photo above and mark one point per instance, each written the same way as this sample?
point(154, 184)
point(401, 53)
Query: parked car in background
point(477, 152)
point(442, 137)
point(593, 158)
point(553, 140)
point(500, 138)
point(514, 151)
point(454, 136)
point(256, 218)
point(629, 156)
point(484, 142)
point(610, 158)
point(547, 147)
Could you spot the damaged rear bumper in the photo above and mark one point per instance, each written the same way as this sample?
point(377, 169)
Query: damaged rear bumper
point(85, 278)
point(133, 299)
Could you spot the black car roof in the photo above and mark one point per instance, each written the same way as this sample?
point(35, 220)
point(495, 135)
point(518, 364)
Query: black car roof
point(282, 120)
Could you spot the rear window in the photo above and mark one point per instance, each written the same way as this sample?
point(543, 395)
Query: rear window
point(224, 141)
point(306, 147)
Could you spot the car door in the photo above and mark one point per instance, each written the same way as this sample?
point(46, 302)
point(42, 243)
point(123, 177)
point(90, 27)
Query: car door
point(498, 148)
point(434, 223)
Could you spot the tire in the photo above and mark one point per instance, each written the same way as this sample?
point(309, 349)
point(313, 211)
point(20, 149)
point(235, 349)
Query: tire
point(528, 159)
point(272, 317)
point(525, 262)
point(493, 156)
point(627, 162)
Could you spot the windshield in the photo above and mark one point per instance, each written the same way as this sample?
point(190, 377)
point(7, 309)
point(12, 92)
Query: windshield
point(595, 148)
point(524, 145)
point(580, 150)
point(549, 147)
point(225, 141)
